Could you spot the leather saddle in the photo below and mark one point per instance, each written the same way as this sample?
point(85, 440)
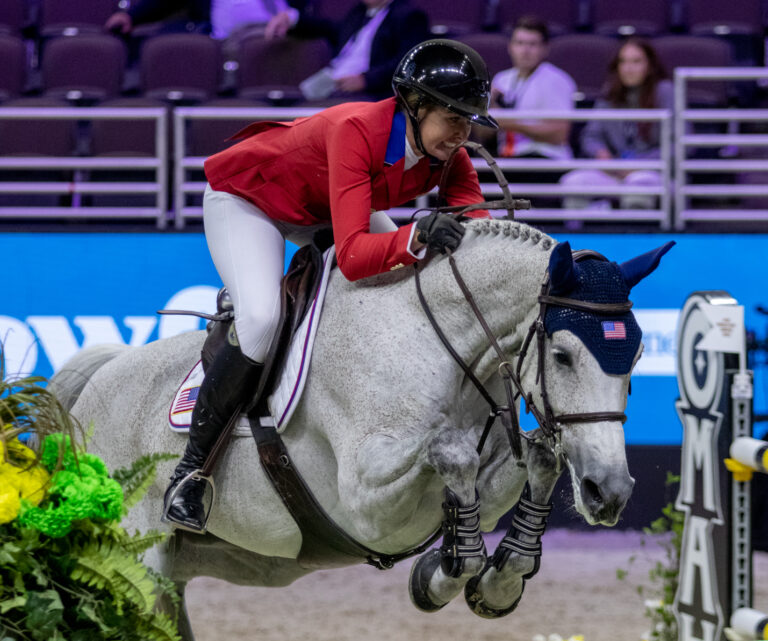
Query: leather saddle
point(297, 291)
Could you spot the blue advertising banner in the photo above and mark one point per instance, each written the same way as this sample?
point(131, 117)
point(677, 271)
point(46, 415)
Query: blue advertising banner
point(69, 291)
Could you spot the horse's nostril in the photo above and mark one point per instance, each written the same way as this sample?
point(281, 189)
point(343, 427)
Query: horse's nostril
point(591, 492)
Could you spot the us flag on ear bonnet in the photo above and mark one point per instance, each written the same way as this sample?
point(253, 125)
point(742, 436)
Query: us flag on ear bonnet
point(612, 339)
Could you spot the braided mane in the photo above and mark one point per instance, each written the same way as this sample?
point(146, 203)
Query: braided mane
point(512, 229)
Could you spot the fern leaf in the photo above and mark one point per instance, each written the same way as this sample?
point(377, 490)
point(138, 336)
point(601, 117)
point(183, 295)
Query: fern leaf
point(138, 478)
point(141, 543)
point(109, 568)
point(130, 576)
point(92, 570)
point(158, 627)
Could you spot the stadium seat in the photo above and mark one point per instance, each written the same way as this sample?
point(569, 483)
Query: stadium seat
point(630, 17)
point(86, 67)
point(493, 47)
point(585, 57)
point(35, 137)
point(560, 15)
point(453, 18)
point(32, 136)
point(207, 137)
point(59, 17)
point(13, 14)
point(125, 137)
point(12, 67)
point(182, 68)
point(740, 23)
point(723, 18)
point(694, 51)
point(271, 70)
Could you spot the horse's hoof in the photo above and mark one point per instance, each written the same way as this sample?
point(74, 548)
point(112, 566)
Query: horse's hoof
point(421, 572)
point(477, 604)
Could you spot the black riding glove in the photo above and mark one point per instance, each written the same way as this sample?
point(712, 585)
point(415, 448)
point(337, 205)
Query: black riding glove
point(440, 232)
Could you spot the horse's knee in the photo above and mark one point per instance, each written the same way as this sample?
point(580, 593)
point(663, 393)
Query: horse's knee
point(456, 461)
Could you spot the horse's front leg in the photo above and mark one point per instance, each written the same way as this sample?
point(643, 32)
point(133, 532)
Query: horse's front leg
point(497, 590)
point(439, 575)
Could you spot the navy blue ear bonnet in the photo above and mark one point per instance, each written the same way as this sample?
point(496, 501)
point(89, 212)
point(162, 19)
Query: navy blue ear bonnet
point(612, 339)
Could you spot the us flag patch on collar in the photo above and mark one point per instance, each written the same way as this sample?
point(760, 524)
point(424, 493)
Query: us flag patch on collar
point(614, 330)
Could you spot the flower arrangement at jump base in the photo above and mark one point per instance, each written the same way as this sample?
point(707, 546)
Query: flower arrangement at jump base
point(68, 570)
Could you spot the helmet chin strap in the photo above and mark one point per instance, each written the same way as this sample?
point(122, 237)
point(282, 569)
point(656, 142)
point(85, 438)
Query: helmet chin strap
point(416, 126)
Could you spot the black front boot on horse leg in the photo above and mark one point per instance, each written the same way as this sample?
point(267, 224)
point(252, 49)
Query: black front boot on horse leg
point(524, 538)
point(230, 383)
point(461, 535)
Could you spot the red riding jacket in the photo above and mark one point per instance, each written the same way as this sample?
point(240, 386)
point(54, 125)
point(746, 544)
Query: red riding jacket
point(331, 167)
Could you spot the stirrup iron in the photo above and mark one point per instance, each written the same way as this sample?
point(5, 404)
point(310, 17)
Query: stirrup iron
point(194, 475)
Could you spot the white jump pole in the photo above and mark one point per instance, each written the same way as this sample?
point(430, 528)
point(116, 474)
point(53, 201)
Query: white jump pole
point(750, 623)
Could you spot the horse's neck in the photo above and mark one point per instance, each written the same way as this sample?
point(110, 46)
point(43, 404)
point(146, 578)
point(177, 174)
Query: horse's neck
point(503, 264)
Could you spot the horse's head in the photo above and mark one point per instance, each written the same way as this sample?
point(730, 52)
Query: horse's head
point(590, 344)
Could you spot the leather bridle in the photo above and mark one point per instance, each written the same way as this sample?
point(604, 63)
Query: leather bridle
point(550, 424)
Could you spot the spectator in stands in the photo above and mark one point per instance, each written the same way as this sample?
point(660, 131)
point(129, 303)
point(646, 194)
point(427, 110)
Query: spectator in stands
point(533, 84)
point(368, 43)
point(220, 18)
point(636, 80)
point(328, 171)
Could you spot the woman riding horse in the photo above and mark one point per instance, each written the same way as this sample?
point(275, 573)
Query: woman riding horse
point(287, 180)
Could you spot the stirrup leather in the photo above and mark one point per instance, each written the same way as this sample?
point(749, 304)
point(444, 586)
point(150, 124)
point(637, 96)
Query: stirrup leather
point(194, 475)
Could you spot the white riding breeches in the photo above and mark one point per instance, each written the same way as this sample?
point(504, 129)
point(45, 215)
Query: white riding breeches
point(248, 249)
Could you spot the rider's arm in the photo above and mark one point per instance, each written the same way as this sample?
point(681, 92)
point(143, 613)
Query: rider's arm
point(358, 252)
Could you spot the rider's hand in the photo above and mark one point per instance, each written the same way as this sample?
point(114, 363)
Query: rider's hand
point(440, 232)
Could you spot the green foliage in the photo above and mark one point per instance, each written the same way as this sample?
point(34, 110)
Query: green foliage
point(667, 531)
point(137, 479)
point(85, 581)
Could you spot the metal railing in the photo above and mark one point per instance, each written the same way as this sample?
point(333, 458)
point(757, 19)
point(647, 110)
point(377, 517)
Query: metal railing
point(686, 139)
point(81, 182)
point(184, 187)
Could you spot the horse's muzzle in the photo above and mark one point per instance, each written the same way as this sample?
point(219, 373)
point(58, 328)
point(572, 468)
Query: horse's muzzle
point(604, 501)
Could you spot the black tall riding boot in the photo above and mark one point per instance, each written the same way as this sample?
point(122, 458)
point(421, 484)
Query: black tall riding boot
point(229, 382)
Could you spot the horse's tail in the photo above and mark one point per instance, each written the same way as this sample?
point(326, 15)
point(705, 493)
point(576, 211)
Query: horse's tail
point(68, 383)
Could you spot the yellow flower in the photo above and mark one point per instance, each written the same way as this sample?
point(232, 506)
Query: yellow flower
point(18, 452)
point(18, 483)
point(9, 502)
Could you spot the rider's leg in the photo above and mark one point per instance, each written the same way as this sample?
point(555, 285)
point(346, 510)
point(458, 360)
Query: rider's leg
point(248, 252)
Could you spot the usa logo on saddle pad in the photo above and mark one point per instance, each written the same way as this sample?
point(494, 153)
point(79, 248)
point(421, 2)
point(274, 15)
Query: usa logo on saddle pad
point(180, 414)
point(292, 379)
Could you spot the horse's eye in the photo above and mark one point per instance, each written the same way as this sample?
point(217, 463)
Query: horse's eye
point(562, 357)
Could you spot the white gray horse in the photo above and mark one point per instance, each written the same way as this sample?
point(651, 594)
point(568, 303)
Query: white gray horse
point(388, 420)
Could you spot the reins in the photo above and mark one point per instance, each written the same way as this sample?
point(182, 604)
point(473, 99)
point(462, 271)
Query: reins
point(549, 423)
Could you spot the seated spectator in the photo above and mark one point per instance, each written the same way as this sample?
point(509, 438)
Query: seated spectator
point(533, 84)
point(368, 43)
point(635, 81)
point(220, 18)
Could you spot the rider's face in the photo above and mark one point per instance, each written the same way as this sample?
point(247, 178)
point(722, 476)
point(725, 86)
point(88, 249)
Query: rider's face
point(442, 131)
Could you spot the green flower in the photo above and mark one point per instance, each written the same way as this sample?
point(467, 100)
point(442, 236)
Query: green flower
point(81, 489)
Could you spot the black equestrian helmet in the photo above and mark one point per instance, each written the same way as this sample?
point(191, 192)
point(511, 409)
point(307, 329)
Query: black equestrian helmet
point(450, 74)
